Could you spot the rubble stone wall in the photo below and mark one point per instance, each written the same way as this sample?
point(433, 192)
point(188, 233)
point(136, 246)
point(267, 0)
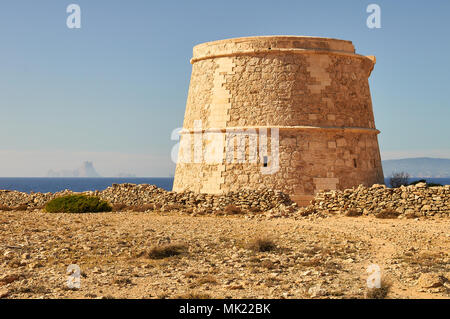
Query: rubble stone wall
point(408, 201)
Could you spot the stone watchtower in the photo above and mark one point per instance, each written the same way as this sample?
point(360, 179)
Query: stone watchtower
point(284, 112)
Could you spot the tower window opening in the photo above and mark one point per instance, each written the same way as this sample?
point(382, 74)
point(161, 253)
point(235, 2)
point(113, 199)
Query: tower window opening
point(354, 163)
point(265, 161)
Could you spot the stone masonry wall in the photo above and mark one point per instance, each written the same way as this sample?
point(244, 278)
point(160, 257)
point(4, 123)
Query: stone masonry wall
point(314, 91)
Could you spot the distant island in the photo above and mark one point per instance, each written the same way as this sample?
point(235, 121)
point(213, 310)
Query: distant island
point(418, 167)
point(86, 170)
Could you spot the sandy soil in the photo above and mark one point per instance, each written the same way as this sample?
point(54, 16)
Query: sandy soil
point(320, 258)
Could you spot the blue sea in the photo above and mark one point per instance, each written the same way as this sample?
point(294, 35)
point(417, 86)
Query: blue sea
point(441, 180)
point(79, 184)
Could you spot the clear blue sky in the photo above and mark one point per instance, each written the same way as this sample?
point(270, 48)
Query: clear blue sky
point(114, 90)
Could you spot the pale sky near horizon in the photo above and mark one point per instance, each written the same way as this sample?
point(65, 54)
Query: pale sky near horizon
point(113, 91)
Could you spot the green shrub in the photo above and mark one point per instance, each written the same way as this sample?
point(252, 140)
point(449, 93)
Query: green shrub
point(418, 181)
point(77, 204)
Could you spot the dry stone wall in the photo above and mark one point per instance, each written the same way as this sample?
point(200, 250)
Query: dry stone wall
point(132, 196)
point(406, 201)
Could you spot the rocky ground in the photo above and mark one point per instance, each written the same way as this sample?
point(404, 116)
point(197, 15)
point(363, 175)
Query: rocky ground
point(121, 255)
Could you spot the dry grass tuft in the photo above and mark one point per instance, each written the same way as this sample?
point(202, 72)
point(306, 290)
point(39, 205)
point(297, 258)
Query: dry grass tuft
point(313, 262)
point(353, 213)
point(207, 279)
point(379, 293)
point(165, 251)
point(33, 289)
point(255, 210)
point(119, 207)
point(142, 208)
point(21, 207)
point(306, 211)
point(426, 260)
point(190, 274)
point(262, 244)
point(387, 214)
point(268, 264)
point(232, 210)
point(193, 295)
point(174, 207)
point(123, 281)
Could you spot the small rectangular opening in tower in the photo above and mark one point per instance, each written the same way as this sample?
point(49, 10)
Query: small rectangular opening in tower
point(354, 163)
point(265, 161)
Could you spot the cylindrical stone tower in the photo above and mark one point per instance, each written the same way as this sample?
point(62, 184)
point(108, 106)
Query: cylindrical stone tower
point(289, 113)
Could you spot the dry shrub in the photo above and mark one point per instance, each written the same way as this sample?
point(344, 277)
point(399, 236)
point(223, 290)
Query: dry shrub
point(190, 274)
point(193, 295)
point(254, 210)
point(21, 207)
point(165, 251)
point(411, 215)
point(236, 287)
point(142, 208)
point(398, 179)
point(261, 244)
point(353, 213)
point(311, 251)
point(306, 211)
point(123, 281)
point(207, 279)
point(173, 207)
point(33, 289)
point(232, 210)
point(314, 262)
point(332, 266)
point(254, 260)
point(272, 281)
point(268, 264)
point(428, 259)
point(119, 207)
point(387, 214)
point(379, 293)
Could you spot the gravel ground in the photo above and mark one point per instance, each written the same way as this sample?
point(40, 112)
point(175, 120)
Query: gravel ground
point(312, 258)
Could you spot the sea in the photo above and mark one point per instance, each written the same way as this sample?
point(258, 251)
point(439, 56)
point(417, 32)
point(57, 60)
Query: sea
point(81, 184)
point(76, 184)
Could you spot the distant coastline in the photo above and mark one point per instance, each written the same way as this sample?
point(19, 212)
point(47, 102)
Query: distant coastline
point(421, 167)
